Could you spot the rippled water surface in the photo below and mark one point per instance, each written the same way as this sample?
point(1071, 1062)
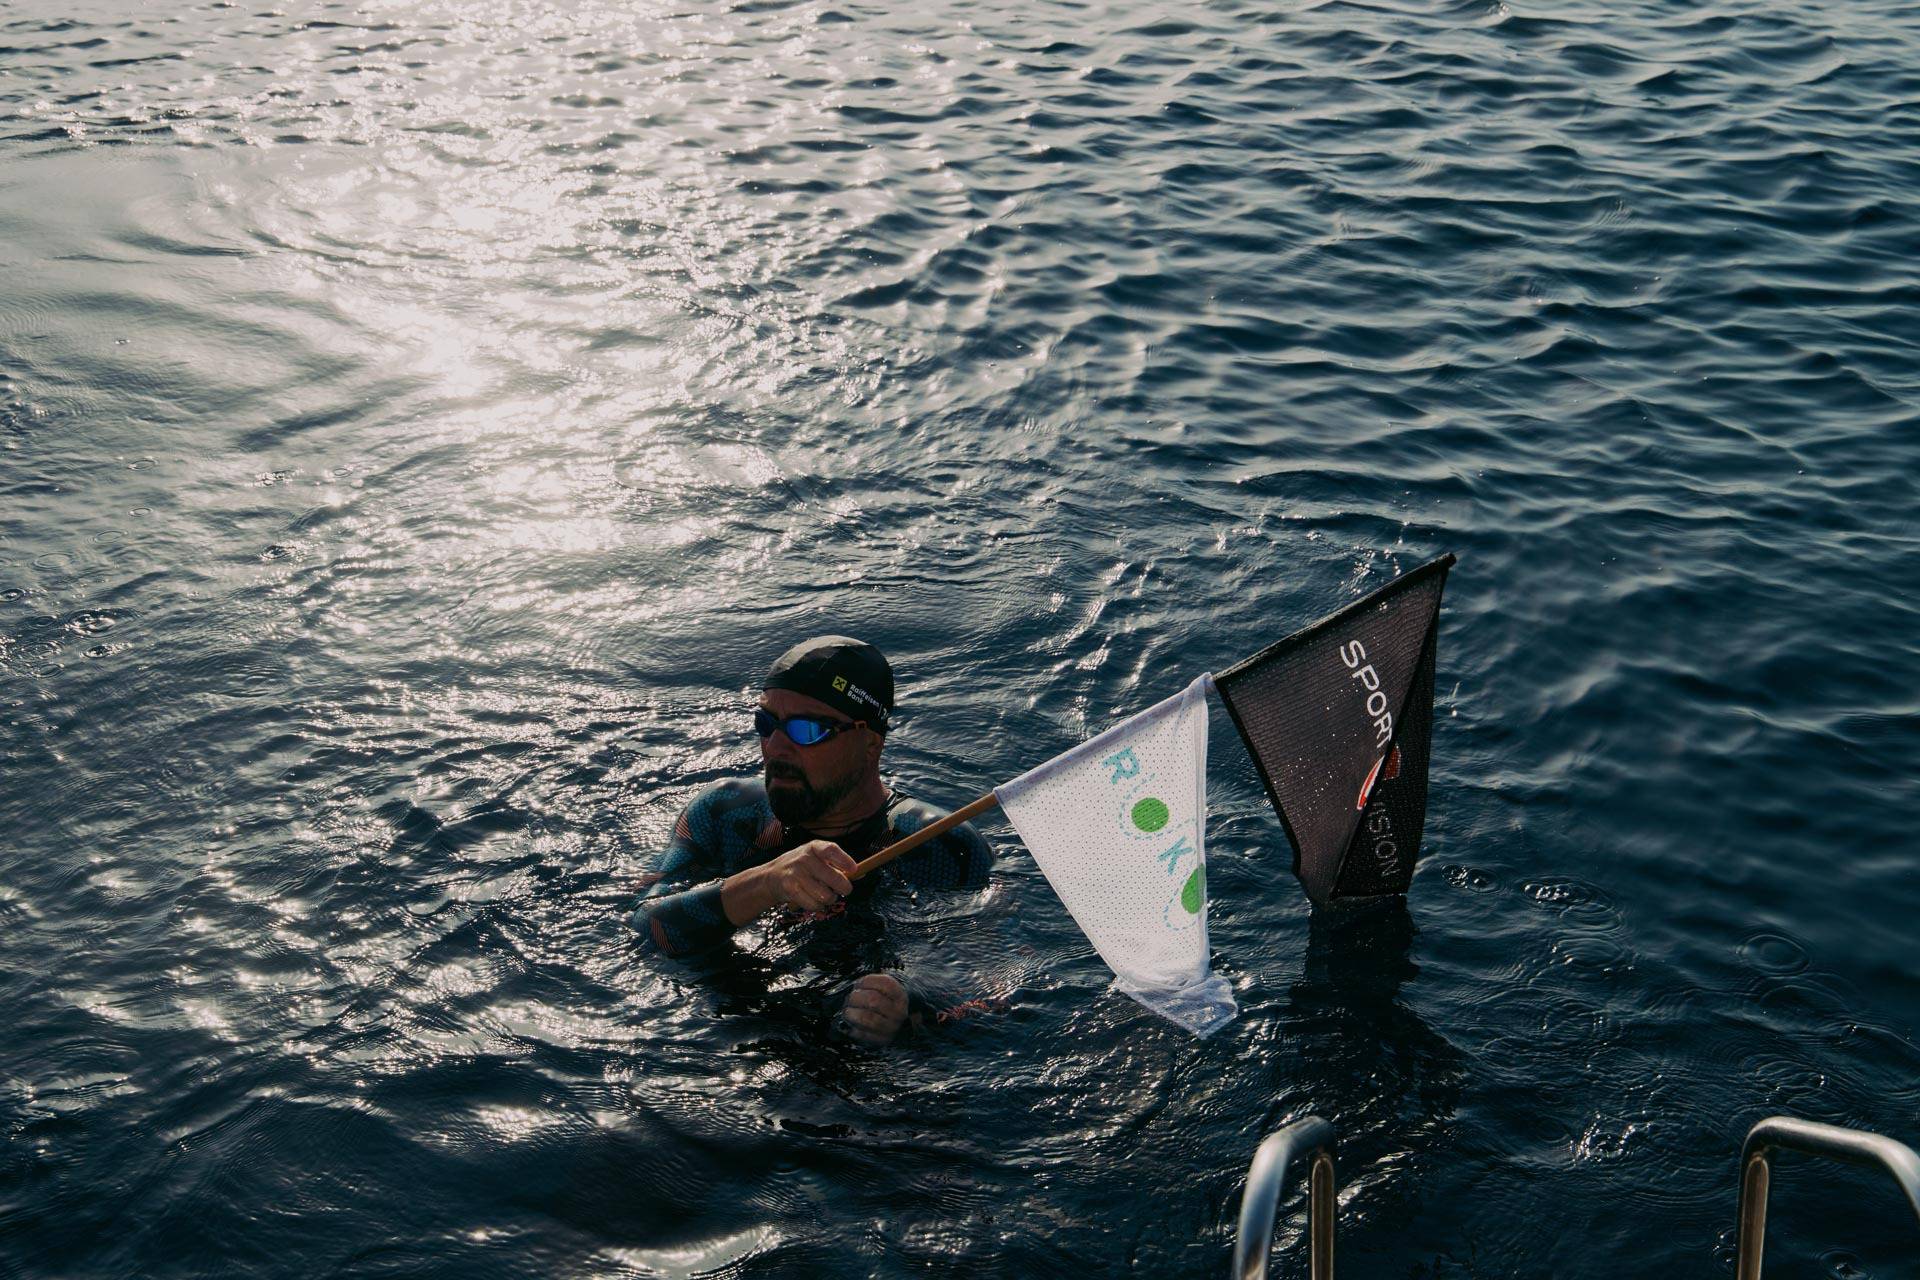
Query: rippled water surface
point(421, 423)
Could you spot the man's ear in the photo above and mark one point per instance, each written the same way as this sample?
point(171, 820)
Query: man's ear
point(876, 742)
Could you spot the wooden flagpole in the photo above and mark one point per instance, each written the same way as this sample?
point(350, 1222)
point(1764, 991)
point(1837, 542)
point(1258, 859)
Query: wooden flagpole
point(924, 834)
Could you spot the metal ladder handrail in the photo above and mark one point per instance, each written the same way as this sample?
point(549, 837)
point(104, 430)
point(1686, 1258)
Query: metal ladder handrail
point(1266, 1178)
point(1817, 1139)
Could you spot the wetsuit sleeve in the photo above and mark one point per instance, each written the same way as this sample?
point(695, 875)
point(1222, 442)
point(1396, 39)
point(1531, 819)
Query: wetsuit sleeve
point(679, 911)
point(960, 859)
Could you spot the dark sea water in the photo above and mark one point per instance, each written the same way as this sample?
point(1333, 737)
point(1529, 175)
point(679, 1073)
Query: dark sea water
point(420, 425)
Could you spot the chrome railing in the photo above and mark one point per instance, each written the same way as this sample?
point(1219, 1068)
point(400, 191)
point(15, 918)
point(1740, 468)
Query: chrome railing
point(1266, 1179)
point(1896, 1158)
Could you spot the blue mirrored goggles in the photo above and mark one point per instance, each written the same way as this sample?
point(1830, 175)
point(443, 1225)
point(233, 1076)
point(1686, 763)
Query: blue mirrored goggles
point(802, 731)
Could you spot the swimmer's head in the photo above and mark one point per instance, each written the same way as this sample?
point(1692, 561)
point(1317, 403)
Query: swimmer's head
point(843, 687)
point(848, 675)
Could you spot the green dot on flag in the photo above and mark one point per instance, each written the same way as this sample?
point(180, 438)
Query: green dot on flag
point(1150, 814)
point(1194, 894)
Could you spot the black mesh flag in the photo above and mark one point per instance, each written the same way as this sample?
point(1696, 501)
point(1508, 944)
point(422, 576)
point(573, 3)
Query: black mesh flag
point(1339, 719)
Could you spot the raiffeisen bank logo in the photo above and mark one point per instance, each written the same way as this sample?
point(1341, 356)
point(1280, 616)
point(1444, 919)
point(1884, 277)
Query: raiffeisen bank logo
point(1143, 817)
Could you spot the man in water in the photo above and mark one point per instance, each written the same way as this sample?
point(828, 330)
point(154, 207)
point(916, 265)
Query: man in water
point(787, 844)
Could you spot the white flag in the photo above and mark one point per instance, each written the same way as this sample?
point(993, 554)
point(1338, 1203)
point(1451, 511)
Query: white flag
point(1118, 824)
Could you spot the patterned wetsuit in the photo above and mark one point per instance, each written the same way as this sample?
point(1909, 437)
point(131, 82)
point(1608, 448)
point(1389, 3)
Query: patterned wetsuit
point(680, 914)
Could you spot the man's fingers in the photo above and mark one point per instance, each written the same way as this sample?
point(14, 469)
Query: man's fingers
point(814, 876)
point(878, 1008)
point(878, 1005)
point(867, 1035)
point(818, 871)
point(836, 857)
point(833, 882)
point(801, 891)
point(869, 1027)
point(883, 982)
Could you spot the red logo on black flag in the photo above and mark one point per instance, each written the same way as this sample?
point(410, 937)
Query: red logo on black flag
point(1385, 769)
point(1331, 712)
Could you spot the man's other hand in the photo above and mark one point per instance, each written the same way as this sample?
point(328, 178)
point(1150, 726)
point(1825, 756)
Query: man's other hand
point(876, 1009)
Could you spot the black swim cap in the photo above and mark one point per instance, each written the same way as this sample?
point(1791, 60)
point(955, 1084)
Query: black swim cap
point(846, 674)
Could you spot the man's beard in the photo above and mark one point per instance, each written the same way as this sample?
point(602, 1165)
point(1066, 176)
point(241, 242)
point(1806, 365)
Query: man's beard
point(802, 803)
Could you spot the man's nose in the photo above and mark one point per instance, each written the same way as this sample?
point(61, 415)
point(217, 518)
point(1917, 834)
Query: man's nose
point(778, 746)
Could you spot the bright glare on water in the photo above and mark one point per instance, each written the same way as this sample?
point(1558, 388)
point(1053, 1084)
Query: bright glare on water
point(421, 424)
